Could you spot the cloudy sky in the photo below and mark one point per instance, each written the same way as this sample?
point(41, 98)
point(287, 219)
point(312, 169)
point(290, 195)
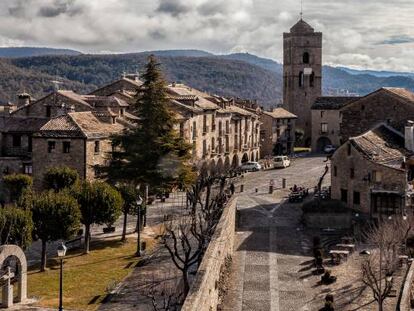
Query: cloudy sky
point(376, 34)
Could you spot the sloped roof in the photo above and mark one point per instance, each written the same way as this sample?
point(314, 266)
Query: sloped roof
point(79, 124)
point(301, 27)
point(183, 91)
point(403, 93)
point(24, 124)
point(280, 113)
point(382, 145)
point(332, 102)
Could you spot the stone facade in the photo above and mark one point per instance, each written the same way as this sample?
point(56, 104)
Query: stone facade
point(277, 132)
point(302, 73)
point(391, 105)
point(368, 174)
point(326, 121)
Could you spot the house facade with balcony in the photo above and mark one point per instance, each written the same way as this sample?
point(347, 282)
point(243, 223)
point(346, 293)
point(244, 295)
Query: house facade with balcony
point(277, 132)
point(373, 173)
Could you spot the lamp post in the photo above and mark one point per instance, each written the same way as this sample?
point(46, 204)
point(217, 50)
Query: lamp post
point(139, 204)
point(61, 252)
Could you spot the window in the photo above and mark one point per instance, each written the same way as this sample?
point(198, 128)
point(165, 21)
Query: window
point(349, 149)
point(48, 111)
point(51, 145)
point(306, 58)
point(312, 80)
point(344, 195)
point(213, 122)
point(301, 79)
point(324, 128)
point(66, 147)
point(204, 147)
point(182, 129)
point(17, 140)
point(335, 171)
point(227, 127)
point(376, 176)
point(322, 113)
point(204, 123)
point(194, 130)
point(29, 143)
point(122, 111)
point(357, 198)
point(28, 169)
point(352, 173)
point(97, 146)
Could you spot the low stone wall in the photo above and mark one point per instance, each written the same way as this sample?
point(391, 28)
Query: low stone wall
point(323, 220)
point(203, 295)
point(404, 303)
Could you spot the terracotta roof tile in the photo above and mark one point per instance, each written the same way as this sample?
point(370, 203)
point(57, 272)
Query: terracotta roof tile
point(280, 113)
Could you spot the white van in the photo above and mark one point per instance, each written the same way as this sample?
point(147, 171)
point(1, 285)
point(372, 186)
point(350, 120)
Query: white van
point(281, 162)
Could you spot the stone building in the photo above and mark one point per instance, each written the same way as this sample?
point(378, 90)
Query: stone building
point(326, 121)
point(372, 172)
point(66, 128)
point(393, 106)
point(80, 140)
point(302, 73)
point(277, 132)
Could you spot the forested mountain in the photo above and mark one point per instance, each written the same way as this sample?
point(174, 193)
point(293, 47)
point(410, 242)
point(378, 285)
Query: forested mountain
point(14, 52)
point(242, 75)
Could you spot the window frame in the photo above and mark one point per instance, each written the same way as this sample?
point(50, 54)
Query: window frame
point(51, 145)
point(66, 146)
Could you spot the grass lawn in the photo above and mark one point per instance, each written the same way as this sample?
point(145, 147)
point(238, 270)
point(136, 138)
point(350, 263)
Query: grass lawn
point(86, 278)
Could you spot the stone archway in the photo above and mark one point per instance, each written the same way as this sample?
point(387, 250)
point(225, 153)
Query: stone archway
point(7, 251)
point(321, 143)
point(245, 158)
point(220, 166)
point(257, 156)
point(227, 164)
point(235, 161)
point(204, 169)
point(212, 167)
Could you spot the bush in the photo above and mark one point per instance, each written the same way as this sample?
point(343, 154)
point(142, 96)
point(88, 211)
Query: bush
point(16, 185)
point(59, 178)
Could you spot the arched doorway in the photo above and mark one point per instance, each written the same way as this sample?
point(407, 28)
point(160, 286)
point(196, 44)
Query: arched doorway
point(245, 158)
point(321, 143)
point(257, 156)
point(204, 169)
point(235, 161)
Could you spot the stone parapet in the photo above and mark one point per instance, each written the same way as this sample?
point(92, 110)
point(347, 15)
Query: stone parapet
point(203, 295)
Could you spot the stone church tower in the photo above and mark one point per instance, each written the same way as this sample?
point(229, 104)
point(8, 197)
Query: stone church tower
point(302, 73)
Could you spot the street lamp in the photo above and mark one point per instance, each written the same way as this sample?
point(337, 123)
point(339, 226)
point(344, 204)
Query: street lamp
point(61, 252)
point(139, 204)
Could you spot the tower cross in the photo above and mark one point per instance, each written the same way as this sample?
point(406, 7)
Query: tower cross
point(301, 9)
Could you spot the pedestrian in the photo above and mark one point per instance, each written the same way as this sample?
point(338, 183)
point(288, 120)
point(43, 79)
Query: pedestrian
point(232, 188)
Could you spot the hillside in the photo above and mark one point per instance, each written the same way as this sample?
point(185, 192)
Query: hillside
point(15, 52)
point(212, 74)
point(14, 80)
point(242, 74)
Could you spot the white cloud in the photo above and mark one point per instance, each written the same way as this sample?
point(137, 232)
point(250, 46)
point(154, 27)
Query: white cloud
point(356, 33)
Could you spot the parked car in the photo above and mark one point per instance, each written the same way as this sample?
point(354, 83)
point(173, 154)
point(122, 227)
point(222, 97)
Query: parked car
point(281, 162)
point(250, 167)
point(329, 149)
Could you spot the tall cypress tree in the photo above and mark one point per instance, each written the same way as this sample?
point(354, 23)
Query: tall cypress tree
point(152, 153)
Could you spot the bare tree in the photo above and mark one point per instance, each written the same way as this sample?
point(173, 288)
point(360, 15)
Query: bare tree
point(377, 270)
point(164, 296)
point(187, 237)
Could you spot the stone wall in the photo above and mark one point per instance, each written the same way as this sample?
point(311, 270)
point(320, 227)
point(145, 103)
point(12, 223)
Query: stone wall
point(380, 106)
point(404, 303)
point(203, 295)
point(43, 160)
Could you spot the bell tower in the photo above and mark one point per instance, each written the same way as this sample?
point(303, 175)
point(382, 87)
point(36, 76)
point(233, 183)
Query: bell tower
point(302, 73)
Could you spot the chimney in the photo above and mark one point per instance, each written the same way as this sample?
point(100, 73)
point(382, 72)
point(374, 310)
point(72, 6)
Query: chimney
point(409, 136)
point(23, 99)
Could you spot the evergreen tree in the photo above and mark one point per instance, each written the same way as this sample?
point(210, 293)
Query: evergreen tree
point(99, 203)
point(56, 216)
point(16, 226)
point(17, 185)
point(152, 153)
point(59, 178)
